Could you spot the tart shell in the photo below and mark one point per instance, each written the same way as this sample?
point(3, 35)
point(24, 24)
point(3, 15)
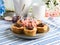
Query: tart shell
point(30, 32)
point(43, 29)
point(16, 29)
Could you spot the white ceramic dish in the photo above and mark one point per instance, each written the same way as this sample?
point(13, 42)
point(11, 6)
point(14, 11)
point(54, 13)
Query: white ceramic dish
point(23, 36)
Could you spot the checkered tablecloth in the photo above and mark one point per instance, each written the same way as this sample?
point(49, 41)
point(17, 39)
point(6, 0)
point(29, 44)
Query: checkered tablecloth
point(51, 38)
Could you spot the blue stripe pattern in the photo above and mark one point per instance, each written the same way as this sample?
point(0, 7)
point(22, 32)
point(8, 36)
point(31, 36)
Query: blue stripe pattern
point(51, 38)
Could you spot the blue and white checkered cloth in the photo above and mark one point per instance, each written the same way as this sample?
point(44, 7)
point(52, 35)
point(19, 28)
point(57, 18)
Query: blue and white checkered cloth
point(2, 8)
point(51, 38)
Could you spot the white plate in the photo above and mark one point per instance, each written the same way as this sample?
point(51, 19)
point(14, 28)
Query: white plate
point(39, 35)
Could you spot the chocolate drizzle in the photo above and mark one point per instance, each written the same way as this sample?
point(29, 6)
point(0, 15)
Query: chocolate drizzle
point(30, 27)
point(18, 25)
point(40, 25)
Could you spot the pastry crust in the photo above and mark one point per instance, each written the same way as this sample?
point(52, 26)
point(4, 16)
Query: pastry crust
point(30, 32)
point(38, 22)
point(16, 29)
point(43, 29)
point(18, 22)
point(46, 28)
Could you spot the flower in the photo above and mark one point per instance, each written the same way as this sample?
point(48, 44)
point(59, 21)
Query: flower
point(48, 2)
point(2, 8)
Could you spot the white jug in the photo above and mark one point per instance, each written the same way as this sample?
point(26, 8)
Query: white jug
point(38, 10)
point(22, 6)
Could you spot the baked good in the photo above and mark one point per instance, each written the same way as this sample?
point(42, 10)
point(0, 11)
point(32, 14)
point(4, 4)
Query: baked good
point(30, 31)
point(38, 22)
point(16, 28)
point(46, 28)
point(19, 21)
point(42, 28)
point(29, 27)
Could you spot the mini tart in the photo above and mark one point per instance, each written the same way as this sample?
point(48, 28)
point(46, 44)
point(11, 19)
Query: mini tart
point(19, 22)
point(42, 29)
point(38, 22)
point(30, 32)
point(16, 29)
